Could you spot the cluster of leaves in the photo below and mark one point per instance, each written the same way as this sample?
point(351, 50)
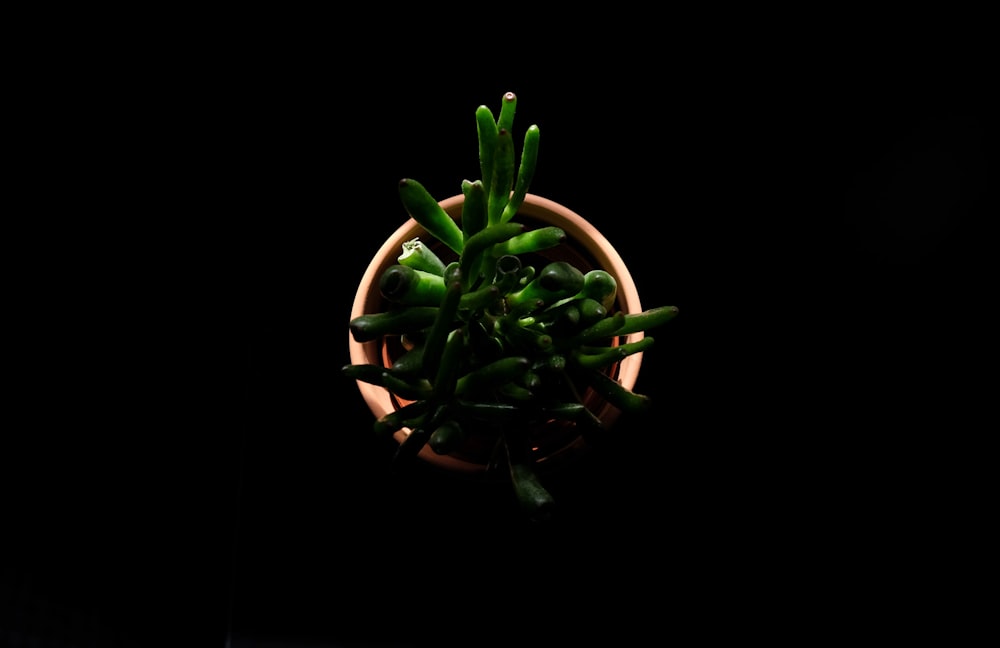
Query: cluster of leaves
point(498, 338)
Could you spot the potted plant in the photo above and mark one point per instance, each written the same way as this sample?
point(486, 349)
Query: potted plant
point(497, 331)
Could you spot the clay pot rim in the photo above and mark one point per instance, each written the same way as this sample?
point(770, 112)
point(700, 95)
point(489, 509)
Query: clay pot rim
point(578, 229)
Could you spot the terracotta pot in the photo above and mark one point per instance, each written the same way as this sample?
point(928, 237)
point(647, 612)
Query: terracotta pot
point(585, 247)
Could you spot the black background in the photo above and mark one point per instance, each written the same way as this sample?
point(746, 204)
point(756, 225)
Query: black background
point(815, 210)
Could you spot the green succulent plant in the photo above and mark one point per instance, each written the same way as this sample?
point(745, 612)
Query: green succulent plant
point(496, 338)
